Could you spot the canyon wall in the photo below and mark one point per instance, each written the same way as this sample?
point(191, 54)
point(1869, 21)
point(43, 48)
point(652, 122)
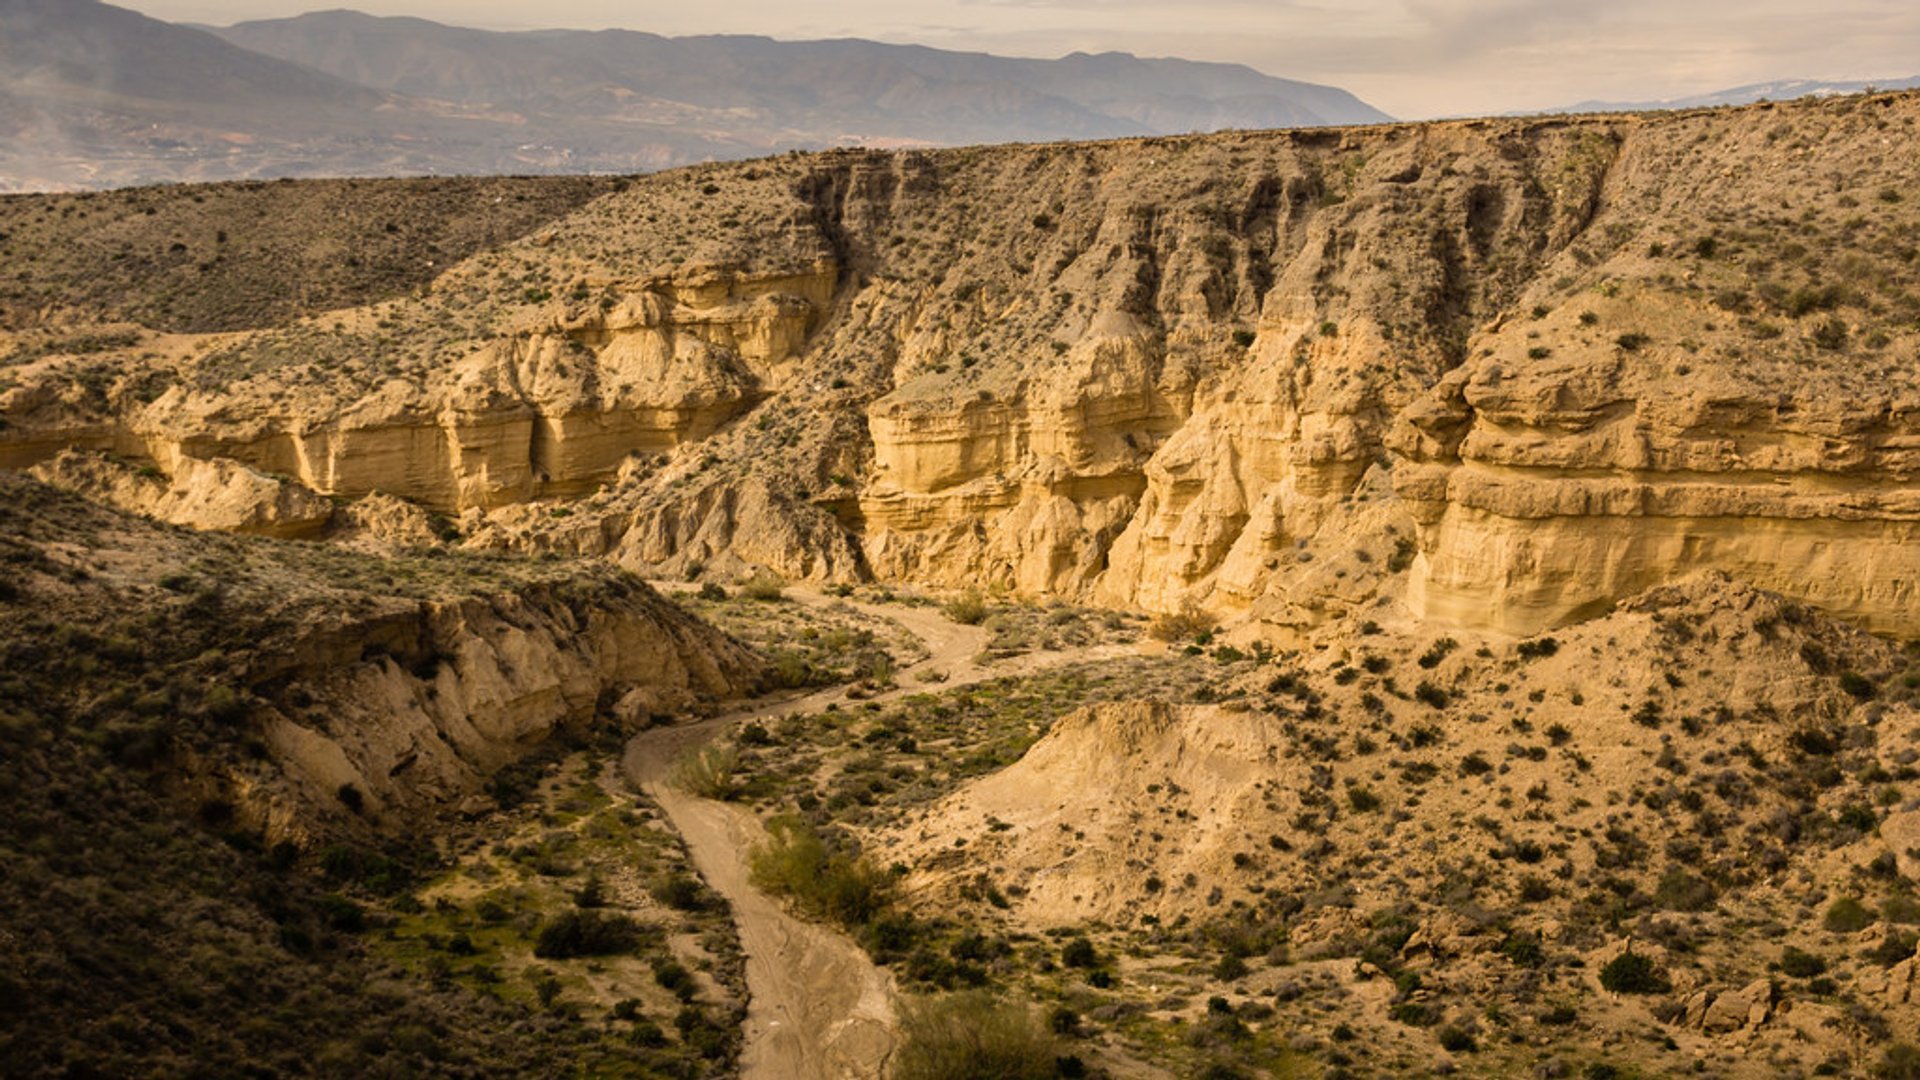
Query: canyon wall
point(1511, 370)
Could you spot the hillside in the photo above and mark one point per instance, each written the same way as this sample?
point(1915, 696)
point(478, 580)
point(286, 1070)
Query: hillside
point(254, 254)
point(225, 757)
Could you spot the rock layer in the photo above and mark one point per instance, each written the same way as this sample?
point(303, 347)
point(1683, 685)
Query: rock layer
point(1590, 354)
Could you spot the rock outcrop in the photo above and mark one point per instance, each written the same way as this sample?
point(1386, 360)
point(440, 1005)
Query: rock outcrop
point(551, 406)
point(1063, 822)
point(201, 493)
point(417, 708)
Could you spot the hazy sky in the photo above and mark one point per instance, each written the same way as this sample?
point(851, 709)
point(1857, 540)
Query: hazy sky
point(1412, 58)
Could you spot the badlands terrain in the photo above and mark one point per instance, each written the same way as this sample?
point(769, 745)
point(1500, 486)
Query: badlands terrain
point(1343, 602)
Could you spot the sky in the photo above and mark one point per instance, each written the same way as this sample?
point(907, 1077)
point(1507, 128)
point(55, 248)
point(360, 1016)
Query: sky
point(1415, 59)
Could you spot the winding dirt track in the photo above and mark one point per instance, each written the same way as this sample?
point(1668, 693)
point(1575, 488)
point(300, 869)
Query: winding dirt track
point(819, 1009)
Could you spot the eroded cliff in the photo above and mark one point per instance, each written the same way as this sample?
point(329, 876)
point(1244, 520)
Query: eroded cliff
point(1513, 370)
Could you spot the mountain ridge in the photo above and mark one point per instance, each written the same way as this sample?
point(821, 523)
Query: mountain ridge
point(104, 96)
point(1745, 94)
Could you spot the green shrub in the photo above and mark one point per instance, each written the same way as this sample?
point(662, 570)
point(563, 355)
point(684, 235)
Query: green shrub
point(967, 609)
point(1901, 908)
point(970, 1036)
point(1682, 890)
point(1902, 1062)
point(796, 863)
point(679, 891)
point(1847, 916)
point(584, 932)
point(765, 586)
point(1633, 973)
point(1858, 685)
point(1538, 647)
point(1079, 953)
point(711, 772)
point(1800, 964)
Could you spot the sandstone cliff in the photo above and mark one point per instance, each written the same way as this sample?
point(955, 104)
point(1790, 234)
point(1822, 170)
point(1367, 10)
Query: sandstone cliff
point(1516, 370)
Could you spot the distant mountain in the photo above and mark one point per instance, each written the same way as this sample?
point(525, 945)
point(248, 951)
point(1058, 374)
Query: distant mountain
point(95, 95)
point(824, 91)
point(59, 50)
point(1779, 90)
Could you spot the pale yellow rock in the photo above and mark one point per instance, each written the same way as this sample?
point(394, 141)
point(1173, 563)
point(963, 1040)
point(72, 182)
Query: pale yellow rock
point(1092, 764)
point(551, 408)
point(1547, 492)
point(1733, 1010)
point(202, 494)
point(383, 523)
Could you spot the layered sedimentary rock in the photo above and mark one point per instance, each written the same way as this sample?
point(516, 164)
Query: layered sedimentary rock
point(1544, 496)
point(1514, 370)
point(549, 406)
point(214, 493)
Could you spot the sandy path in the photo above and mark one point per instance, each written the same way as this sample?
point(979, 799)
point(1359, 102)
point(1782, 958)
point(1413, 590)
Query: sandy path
point(819, 1008)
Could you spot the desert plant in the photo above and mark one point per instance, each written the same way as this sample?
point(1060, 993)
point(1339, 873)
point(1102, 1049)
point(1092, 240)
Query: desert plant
point(1801, 964)
point(1847, 916)
point(711, 772)
point(765, 586)
point(1634, 973)
point(584, 932)
point(967, 609)
point(1188, 623)
point(795, 862)
point(971, 1035)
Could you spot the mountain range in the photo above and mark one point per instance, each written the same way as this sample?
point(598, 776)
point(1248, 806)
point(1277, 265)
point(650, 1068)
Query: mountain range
point(1776, 90)
point(95, 95)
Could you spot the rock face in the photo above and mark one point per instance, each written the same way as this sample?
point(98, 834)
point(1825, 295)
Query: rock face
point(202, 493)
point(1718, 1013)
point(551, 407)
point(1545, 492)
point(416, 709)
point(1515, 370)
